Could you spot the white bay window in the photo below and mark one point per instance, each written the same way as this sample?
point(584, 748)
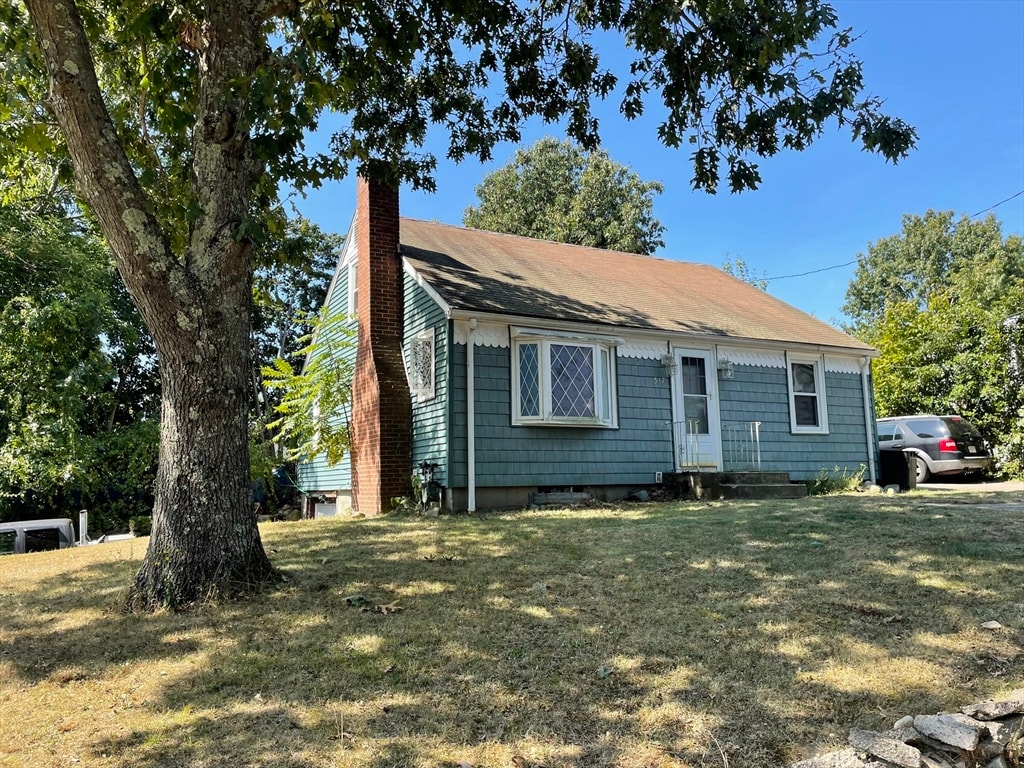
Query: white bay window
point(563, 380)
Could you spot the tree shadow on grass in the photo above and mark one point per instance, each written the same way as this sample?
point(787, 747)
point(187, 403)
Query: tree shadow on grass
point(661, 635)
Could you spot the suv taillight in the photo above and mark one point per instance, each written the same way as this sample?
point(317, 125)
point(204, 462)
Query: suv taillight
point(947, 445)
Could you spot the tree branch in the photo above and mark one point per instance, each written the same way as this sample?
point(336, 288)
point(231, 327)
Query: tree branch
point(104, 175)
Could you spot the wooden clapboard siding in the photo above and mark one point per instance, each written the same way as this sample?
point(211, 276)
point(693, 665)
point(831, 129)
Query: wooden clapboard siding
point(429, 417)
point(761, 394)
point(511, 456)
point(316, 475)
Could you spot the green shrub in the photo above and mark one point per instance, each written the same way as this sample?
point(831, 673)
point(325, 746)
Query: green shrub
point(838, 480)
point(141, 525)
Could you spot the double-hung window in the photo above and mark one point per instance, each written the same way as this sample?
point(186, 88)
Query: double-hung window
point(565, 380)
point(808, 413)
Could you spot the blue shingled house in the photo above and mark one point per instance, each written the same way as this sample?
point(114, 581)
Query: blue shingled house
point(516, 365)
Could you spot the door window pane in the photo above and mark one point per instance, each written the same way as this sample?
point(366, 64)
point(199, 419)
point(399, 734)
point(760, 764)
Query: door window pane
point(695, 409)
point(692, 376)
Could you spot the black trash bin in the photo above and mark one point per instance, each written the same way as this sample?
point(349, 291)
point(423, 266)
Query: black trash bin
point(898, 468)
point(911, 478)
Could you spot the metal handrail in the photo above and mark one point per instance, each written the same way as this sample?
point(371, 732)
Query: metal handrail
point(687, 439)
point(743, 445)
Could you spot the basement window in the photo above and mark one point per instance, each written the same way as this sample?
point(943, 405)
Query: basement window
point(807, 410)
point(563, 380)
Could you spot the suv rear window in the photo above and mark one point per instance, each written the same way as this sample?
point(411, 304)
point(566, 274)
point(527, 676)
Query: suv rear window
point(961, 428)
point(928, 427)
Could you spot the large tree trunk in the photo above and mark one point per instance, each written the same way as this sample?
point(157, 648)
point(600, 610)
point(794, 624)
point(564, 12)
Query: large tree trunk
point(204, 536)
point(196, 304)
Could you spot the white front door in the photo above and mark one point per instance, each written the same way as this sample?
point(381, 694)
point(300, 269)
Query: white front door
point(697, 430)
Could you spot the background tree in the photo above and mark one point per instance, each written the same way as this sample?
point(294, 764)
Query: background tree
point(939, 302)
point(294, 266)
point(930, 251)
point(739, 268)
point(182, 120)
point(78, 391)
point(555, 190)
point(293, 271)
point(314, 392)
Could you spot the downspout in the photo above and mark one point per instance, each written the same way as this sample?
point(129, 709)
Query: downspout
point(470, 419)
point(865, 369)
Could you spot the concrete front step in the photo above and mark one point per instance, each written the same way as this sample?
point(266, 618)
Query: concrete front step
point(764, 491)
point(751, 478)
point(735, 485)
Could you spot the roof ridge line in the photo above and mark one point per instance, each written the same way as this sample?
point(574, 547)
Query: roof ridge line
point(557, 242)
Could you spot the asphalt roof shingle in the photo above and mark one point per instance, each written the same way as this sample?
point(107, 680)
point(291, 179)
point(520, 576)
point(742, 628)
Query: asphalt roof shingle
point(487, 272)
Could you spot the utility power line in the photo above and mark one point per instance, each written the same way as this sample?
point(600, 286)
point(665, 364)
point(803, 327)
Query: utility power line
point(854, 261)
point(986, 210)
point(813, 271)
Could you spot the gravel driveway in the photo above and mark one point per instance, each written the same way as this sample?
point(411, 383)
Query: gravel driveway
point(970, 486)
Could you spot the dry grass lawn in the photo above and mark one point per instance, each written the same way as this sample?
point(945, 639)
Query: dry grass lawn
point(731, 634)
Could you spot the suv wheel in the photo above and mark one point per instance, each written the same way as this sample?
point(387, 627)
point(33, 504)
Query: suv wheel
point(922, 470)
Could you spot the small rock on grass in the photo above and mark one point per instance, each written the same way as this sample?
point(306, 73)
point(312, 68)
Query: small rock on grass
point(994, 708)
point(946, 729)
point(879, 746)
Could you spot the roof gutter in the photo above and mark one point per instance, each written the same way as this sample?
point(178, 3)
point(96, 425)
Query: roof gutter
point(869, 417)
point(470, 419)
point(676, 337)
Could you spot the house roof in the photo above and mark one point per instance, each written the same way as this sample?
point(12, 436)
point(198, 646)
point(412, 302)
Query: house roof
point(486, 272)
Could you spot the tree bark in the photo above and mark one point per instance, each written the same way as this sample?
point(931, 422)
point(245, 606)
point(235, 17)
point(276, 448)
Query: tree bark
point(196, 305)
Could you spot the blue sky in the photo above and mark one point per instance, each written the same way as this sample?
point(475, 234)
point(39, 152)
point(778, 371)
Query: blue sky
point(952, 69)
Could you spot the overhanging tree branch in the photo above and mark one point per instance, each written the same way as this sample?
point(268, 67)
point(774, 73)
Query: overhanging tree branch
point(104, 176)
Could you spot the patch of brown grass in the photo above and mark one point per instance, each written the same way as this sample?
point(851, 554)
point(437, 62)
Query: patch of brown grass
point(733, 634)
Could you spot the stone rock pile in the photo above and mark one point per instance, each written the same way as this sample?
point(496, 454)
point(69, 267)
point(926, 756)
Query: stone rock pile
point(989, 734)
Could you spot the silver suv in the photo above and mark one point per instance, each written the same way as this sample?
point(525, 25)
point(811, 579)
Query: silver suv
point(943, 445)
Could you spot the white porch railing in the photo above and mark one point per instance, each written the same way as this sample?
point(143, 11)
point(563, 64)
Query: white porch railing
point(742, 446)
point(689, 456)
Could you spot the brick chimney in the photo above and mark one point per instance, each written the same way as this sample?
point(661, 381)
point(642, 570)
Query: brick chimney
point(381, 407)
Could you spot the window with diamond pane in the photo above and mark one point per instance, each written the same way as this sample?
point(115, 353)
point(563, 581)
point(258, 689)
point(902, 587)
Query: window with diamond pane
point(422, 367)
point(529, 380)
point(605, 384)
point(572, 381)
